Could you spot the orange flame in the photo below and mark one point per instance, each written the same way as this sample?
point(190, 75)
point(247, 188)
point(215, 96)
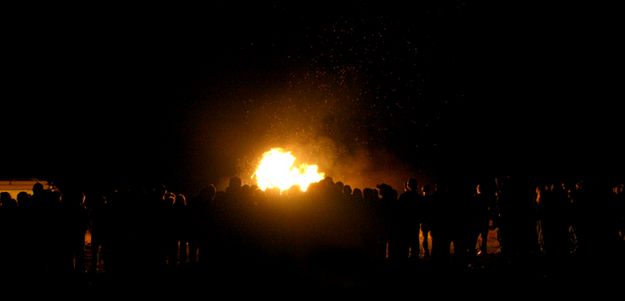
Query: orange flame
point(276, 170)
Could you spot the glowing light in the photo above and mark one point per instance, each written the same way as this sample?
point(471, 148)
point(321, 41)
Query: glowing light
point(277, 170)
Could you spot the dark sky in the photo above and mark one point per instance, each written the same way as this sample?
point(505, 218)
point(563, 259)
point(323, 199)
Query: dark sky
point(183, 94)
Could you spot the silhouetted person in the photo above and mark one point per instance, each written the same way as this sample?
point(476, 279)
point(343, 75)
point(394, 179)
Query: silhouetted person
point(357, 196)
point(38, 197)
point(75, 222)
point(442, 221)
point(425, 215)
point(169, 240)
point(619, 199)
point(555, 222)
point(9, 236)
point(100, 215)
point(389, 210)
point(6, 201)
point(181, 226)
point(347, 193)
point(372, 231)
point(596, 220)
point(479, 215)
point(202, 234)
point(234, 188)
point(518, 219)
point(409, 220)
point(23, 200)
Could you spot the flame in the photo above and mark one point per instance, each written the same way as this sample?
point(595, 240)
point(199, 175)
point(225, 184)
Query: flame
point(276, 170)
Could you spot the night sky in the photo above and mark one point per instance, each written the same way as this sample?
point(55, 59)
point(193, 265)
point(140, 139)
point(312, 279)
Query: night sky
point(196, 94)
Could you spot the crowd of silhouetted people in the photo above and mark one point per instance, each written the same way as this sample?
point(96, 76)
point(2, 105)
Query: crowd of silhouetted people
point(138, 231)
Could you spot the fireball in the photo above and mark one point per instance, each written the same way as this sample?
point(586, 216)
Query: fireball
point(277, 170)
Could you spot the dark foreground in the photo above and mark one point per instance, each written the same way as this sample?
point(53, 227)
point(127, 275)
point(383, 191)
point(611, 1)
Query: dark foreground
point(487, 277)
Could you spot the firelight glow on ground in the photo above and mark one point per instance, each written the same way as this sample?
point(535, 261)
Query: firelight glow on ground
point(277, 169)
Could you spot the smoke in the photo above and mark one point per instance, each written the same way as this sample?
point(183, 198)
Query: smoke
point(370, 167)
point(320, 116)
